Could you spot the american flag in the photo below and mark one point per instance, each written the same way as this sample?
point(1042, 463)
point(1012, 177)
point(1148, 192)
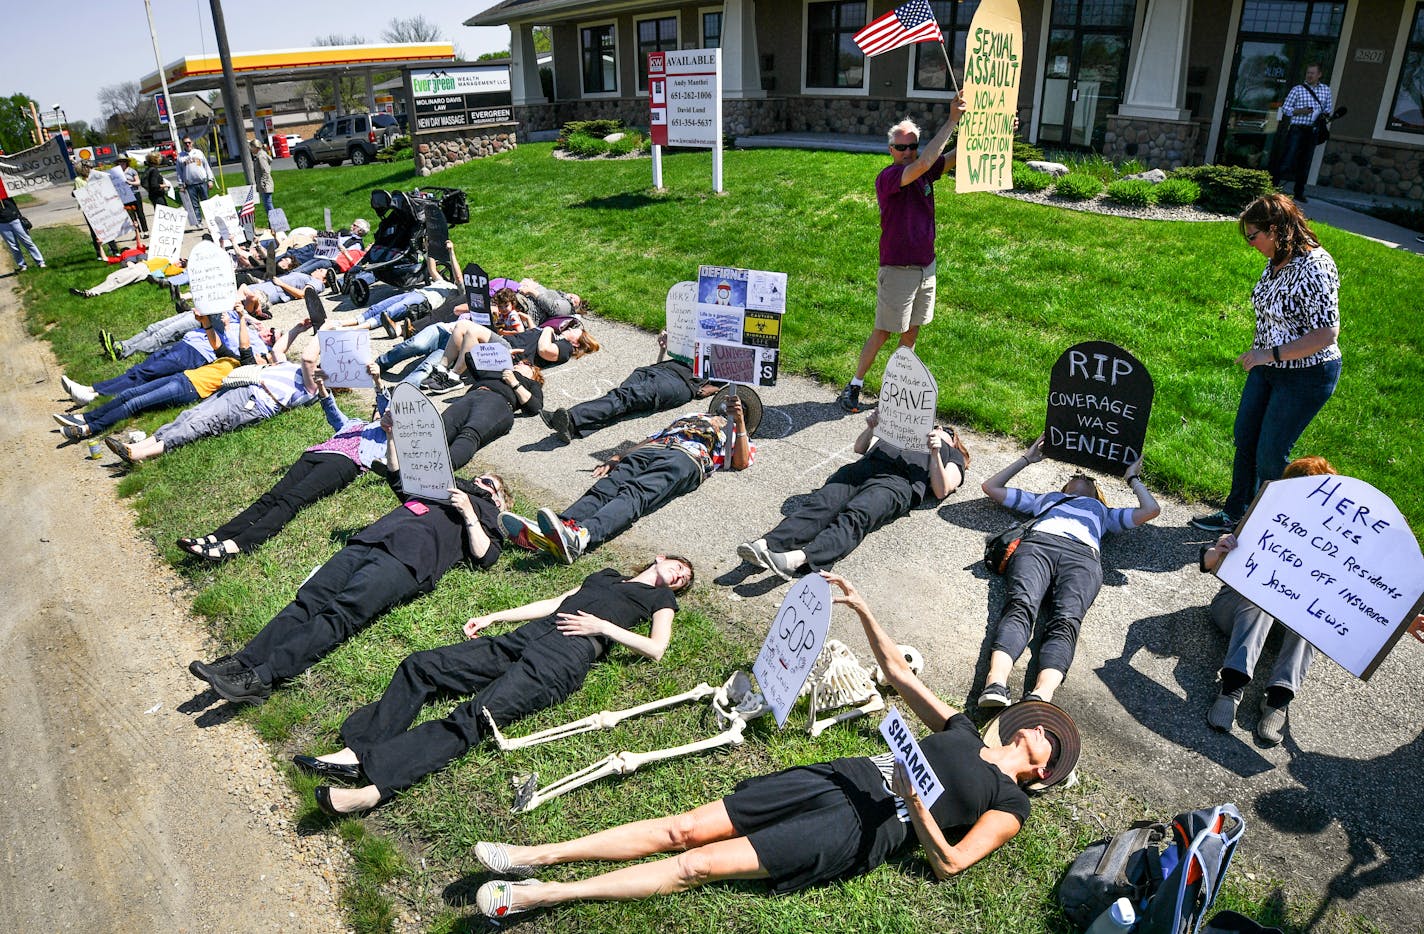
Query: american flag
point(906, 24)
point(248, 207)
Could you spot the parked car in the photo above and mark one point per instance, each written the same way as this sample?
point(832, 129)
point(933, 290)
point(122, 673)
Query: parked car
point(292, 140)
point(167, 154)
point(351, 136)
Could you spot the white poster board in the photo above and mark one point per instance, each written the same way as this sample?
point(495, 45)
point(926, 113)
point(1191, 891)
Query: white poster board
point(738, 324)
point(993, 59)
point(685, 105)
point(211, 278)
point(345, 354)
point(797, 635)
point(220, 217)
point(44, 166)
point(1333, 559)
point(492, 358)
point(682, 321)
point(103, 208)
point(908, 397)
point(277, 221)
point(907, 752)
point(420, 445)
point(328, 245)
point(165, 232)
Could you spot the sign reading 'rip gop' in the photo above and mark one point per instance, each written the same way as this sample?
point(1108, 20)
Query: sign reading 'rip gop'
point(1099, 400)
point(908, 396)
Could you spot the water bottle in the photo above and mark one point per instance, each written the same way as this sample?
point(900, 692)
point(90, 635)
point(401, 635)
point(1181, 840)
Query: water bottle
point(1118, 917)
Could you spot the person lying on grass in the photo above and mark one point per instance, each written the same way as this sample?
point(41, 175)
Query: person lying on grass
point(140, 269)
point(511, 676)
point(813, 824)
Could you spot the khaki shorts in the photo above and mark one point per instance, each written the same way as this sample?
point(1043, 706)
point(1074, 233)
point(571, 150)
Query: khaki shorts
point(904, 297)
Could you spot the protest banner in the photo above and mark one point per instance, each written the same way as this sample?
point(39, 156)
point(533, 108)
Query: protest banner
point(992, 56)
point(277, 221)
point(492, 358)
point(103, 208)
point(796, 637)
point(682, 321)
point(907, 751)
point(477, 294)
point(908, 397)
point(211, 278)
point(220, 217)
point(419, 437)
point(44, 166)
point(1099, 401)
point(165, 232)
point(345, 354)
point(1332, 558)
point(737, 329)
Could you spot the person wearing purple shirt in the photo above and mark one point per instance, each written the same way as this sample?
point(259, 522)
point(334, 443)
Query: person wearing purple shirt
point(905, 285)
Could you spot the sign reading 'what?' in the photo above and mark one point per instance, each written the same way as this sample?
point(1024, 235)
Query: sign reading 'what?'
point(1099, 400)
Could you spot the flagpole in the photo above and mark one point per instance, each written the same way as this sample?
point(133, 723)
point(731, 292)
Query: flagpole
point(949, 65)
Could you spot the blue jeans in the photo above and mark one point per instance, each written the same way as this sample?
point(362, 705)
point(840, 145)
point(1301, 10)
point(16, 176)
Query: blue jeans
point(161, 393)
point(266, 197)
point(1276, 406)
point(15, 236)
point(198, 194)
point(157, 335)
point(397, 307)
point(429, 341)
point(166, 362)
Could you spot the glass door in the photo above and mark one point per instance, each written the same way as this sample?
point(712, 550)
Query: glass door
point(1085, 70)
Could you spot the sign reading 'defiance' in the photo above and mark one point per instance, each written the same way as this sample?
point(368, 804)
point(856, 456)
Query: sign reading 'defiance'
point(797, 634)
point(908, 397)
point(103, 208)
point(211, 278)
point(907, 752)
point(991, 87)
point(685, 96)
point(345, 354)
point(1099, 400)
point(738, 324)
point(1332, 558)
point(165, 232)
point(682, 321)
point(420, 445)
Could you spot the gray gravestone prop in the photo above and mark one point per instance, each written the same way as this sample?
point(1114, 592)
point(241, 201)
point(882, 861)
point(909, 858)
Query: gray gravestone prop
point(682, 321)
point(345, 353)
point(211, 278)
point(797, 635)
point(908, 397)
point(477, 293)
point(277, 221)
point(420, 445)
point(1099, 401)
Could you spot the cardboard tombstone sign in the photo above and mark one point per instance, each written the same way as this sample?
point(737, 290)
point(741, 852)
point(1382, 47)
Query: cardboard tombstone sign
point(993, 57)
point(277, 221)
point(316, 309)
point(477, 293)
point(908, 397)
point(220, 216)
point(682, 322)
point(165, 233)
point(103, 208)
point(420, 445)
point(1099, 401)
point(345, 354)
point(797, 635)
point(1333, 559)
point(492, 358)
point(437, 233)
point(211, 278)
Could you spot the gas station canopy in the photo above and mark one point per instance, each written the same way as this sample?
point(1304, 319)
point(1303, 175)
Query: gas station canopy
point(204, 72)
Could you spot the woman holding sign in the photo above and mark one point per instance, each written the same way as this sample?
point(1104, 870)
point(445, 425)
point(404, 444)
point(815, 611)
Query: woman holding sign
point(1293, 365)
point(818, 823)
point(1057, 558)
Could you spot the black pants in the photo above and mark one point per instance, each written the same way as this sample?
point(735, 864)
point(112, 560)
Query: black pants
point(512, 675)
point(473, 421)
point(653, 388)
point(856, 500)
point(643, 480)
point(343, 597)
point(1070, 574)
point(313, 477)
point(1295, 156)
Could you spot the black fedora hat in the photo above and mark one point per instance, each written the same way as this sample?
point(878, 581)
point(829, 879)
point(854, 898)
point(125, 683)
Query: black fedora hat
point(751, 404)
point(1062, 733)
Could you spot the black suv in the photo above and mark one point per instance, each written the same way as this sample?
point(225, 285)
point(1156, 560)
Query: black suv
point(352, 136)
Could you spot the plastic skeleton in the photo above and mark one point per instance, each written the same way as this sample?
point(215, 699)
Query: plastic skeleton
point(838, 680)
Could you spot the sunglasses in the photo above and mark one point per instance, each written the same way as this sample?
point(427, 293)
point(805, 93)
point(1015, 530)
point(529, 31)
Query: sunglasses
point(1251, 237)
point(903, 147)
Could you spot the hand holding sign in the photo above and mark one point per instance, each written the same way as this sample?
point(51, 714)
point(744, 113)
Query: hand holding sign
point(797, 634)
point(211, 278)
point(908, 398)
point(922, 778)
point(991, 89)
point(1099, 401)
point(166, 233)
point(345, 357)
point(492, 358)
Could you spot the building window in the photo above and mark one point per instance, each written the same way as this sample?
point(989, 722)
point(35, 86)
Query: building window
point(712, 30)
point(833, 60)
point(1311, 17)
point(953, 17)
point(600, 59)
point(1407, 114)
point(654, 35)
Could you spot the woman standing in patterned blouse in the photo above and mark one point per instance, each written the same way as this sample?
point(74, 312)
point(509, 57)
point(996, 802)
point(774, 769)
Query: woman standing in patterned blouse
point(1294, 363)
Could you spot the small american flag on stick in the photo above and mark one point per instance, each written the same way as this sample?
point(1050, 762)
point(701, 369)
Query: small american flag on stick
point(905, 25)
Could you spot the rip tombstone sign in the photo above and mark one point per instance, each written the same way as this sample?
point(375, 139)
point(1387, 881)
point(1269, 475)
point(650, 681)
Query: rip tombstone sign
point(1099, 401)
point(419, 437)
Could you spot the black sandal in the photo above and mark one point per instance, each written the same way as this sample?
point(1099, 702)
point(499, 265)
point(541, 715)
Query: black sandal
point(214, 552)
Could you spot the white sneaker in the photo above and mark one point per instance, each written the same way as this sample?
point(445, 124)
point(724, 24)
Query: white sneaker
point(81, 394)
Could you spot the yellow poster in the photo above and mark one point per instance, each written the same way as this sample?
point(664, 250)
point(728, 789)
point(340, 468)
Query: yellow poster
point(993, 59)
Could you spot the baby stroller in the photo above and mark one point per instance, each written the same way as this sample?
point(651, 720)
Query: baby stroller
point(412, 226)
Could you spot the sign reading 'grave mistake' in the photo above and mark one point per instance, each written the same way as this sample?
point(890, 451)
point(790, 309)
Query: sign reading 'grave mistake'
point(1099, 400)
point(1332, 558)
point(797, 635)
point(420, 445)
point(908, 396)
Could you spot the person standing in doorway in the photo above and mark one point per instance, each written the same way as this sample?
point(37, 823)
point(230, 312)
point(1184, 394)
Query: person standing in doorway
point(1306, 103)
point(905, 284)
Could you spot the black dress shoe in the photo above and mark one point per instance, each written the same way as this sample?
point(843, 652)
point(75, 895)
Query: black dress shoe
point(224, 667)
point(323, 801)
point(335, 770)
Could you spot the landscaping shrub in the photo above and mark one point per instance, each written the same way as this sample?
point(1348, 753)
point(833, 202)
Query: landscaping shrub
point(582, 144)
point(1227, 188)
point(1130, 167)
point(399, 150)
point(1078, 186)
point(1178, 191)
point(595, 128)
point(632, 141)
point(1413, 218)
point(1133, 192)
point(1027, 179)
point(1023, 152)
point(1095, 165)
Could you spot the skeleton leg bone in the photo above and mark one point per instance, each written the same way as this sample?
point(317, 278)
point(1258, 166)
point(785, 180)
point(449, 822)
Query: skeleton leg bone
point(603, 720)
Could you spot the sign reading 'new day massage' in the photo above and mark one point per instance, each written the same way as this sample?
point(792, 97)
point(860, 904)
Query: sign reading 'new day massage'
point(1099, 401)
point(1332, 558)
point(992, 69)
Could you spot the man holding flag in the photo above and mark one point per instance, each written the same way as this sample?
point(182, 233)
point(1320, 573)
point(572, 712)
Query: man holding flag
point(905, 284)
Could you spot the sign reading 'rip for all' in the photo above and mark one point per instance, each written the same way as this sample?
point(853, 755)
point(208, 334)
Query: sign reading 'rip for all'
point(1099, 400)
point(908, 397)
point(420, 443)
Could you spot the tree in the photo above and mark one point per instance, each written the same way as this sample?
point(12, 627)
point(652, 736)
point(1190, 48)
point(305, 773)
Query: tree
point(16, 125)
point(320, 92)
point(129, 115)
point(416, 29)
point(543, 42)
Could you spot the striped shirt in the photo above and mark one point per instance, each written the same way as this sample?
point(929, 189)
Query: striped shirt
point(1302, 296)
point(1084, 519)
point(1300, 96)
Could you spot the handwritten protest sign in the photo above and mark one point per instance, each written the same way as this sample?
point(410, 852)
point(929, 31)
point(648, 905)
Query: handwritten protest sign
point(277, 220)
point(345, 354)
point(103, 208)
point(1332, 558)
point(328, 245)
point(682, 321)
point(45, 166)
point(908, 397)
point(1099, 401)
point(211, 278)
point(991, 88)
point(797, 634)
point(420, 445)
point(731, 363)
point(166, 232)
point(220, 217)
point(492, 358)
point(907, 751)
point(477, 294)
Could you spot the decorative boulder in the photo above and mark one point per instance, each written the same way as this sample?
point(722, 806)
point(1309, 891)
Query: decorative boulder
point(1055, 169)
point(613, 137)
point(1155, 176)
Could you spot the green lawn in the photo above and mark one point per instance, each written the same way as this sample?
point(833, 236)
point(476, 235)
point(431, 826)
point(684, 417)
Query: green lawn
point(1018, 283)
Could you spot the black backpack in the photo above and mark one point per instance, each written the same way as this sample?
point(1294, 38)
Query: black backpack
point(1173, 888)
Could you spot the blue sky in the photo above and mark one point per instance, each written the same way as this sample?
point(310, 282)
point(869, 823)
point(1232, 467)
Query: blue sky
point(62, 53)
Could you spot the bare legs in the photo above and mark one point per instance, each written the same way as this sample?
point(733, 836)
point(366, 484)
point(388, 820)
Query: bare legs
point(465, 336)
point(875, 341)
point(1000, 664)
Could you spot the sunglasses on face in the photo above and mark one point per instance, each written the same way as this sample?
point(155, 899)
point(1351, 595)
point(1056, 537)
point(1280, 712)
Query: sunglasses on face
point(1251, 237)
point(904, 147)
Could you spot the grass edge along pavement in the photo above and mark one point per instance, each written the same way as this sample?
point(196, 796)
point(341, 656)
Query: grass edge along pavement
point(434, 825)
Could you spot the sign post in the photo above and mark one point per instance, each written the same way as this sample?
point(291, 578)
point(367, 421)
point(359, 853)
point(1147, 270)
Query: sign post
point(420, 445)
point(797, 635)
point(1099, 401)
point(685, 101)
point(992, 60)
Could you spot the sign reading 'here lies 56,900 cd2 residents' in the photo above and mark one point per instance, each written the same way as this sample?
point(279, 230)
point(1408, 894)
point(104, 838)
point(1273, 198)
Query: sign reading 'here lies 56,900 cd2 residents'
point(458, 97)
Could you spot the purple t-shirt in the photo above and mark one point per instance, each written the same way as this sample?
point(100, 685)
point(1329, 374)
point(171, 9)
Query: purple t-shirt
point(907, 224)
